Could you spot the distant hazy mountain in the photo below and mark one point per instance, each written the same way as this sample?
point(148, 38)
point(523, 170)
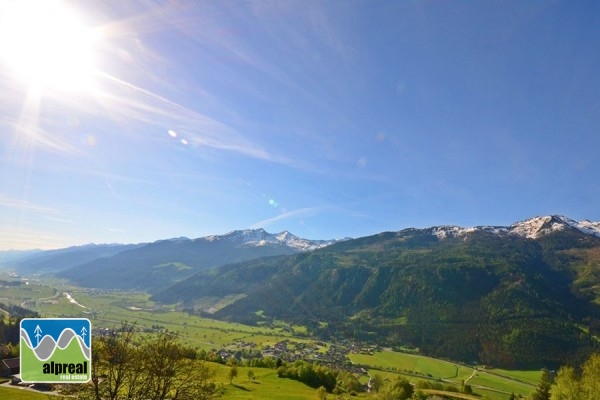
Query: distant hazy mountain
point(46, 261)
point(158, 265)
point(523, 295)
point(8, 257)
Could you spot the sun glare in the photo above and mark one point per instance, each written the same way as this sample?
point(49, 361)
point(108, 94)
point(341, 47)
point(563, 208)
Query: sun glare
point(46, 44)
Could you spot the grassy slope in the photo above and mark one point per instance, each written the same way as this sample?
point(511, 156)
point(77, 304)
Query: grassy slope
point(19, 393)
point(266, 385)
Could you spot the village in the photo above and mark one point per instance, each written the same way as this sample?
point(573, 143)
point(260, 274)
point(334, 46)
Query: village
point(334, 356)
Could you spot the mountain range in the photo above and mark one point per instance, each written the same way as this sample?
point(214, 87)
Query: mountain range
point(157, 265)
point(527, 295)
point(524, 295)
point(49, 261)
point(532, 228)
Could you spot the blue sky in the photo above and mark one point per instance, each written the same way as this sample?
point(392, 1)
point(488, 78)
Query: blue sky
point(325, 118)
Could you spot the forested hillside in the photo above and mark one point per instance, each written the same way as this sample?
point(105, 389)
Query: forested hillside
point(499, 299)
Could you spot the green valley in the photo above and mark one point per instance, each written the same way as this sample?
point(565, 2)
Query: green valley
point(478, 311)
point(107, 309)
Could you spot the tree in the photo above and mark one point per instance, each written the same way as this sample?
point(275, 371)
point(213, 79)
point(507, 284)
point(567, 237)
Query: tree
point(15, 351)
point(375, 383)
point(170, 374)
point(399, 389)
point(126, 365)
point(418, 395)
point(566, 386)
point(114, 369)
point(590, 377)
point(232, 374)
point(569, 386)
point(543, 390)
point(250, 375)
point(347, 382)
point(403, 388)
point(322, 393)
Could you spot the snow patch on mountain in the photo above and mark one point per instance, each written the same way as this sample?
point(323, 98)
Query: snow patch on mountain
point(260, 237)
point(531, 228)
point(534, 228)
point(589, 227)
point(444, 232)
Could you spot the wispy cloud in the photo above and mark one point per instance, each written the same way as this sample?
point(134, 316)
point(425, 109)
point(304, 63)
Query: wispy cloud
point(302, 212)
point(126, 102)
point(123, 101)
point(134, 105)
point(20, 204)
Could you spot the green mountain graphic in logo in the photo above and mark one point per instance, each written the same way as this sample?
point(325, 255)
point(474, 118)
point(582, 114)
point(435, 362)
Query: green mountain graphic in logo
point(55, 350)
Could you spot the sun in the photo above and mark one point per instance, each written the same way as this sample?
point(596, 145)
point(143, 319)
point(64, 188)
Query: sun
point(46, 44)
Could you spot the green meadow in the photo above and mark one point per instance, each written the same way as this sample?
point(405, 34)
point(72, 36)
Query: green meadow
point(412, 363)
point(493, 383)
point(19, 393)
point(265, 385)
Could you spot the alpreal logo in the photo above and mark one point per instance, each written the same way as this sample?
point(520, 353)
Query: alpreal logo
point(56, 350)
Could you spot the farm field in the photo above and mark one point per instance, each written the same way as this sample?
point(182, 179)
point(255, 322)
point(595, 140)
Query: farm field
point(413, 364)
point(107, 309)
point(417, 367)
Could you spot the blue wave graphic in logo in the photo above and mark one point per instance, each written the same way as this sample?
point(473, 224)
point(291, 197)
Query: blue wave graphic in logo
point(37, 329)
point(46, 347)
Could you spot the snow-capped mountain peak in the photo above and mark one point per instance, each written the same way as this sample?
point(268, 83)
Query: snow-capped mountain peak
point(260, 237)
point(536, 227)
point(285, 235)
point(532, 228)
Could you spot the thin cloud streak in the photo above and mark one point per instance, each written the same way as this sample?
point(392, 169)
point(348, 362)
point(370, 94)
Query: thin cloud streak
point(200, 129)
point(25, 205)
point(302, 212)
point(125, 102)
